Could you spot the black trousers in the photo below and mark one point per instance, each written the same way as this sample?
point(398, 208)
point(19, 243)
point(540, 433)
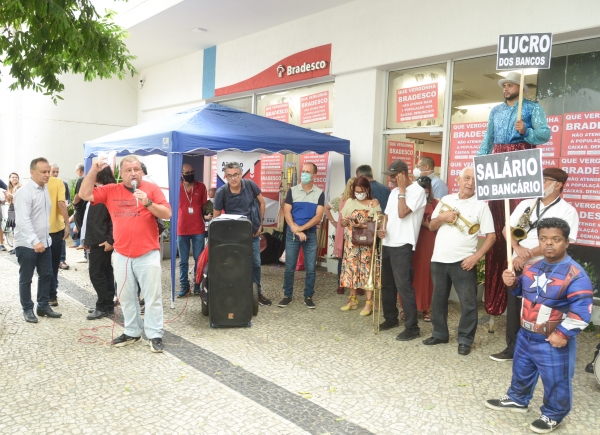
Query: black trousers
point(102, 277)
point(56, 250)
point(396, 278)
point(513, 318)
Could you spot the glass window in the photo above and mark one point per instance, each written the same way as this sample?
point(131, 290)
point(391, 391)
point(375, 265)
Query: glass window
point(416, 97)
point(244, 104)
point(309, 106)
point(411, 147)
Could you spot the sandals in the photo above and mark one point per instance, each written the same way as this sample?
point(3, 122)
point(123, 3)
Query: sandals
point(426, 316)
point(352, 304)
point(368, 309)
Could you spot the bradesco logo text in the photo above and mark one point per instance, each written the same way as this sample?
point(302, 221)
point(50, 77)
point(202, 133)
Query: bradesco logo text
point(305, 67)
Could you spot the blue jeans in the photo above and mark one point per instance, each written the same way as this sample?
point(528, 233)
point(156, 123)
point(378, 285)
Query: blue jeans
point(256, 262)
point(183, 244)
point(146, 271)
point(29, 260)
point(292, 248)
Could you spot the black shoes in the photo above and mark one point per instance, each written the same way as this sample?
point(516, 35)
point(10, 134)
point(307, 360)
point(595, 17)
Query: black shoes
point(29, 316)
point(124, 340)
point(432, 341)
point(388, 324)
point(543, 425)
point(263, 301)
point(407, 335)
point(506, 404)
point(309, 303)
point(464, 349)
point(47, 312)
point(505, 355)
point(590, 366)
point(96, 314)
point(156, 345)
point(284, 302)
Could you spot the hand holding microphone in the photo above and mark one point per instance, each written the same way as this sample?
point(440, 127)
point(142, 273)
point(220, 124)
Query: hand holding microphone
point(140, 195)
point(134, 185)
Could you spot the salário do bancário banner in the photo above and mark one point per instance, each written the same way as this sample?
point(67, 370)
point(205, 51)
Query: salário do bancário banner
point(512, 175)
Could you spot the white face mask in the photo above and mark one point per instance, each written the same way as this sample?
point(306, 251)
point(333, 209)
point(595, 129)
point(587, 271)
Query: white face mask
point(211, 199)
point(361, 196)
point(417, 172)
point(549, 190)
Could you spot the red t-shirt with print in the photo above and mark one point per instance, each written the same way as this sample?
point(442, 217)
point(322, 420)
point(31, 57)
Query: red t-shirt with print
point(134, 228)
point(190, 224)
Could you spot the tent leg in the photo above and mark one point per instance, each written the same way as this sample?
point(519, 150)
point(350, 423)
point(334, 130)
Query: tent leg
point(172, 305)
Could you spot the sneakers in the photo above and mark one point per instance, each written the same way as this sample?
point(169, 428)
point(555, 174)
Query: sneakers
point(388, 324)
point(309, 303)
point(2, 248)
point(505, 355)
point(82, 260)
point(124, 340)
point(264, 301)
point(284, 302)
point(183, 293)
point(543, 425)
point(156, 345)
point(506, 404)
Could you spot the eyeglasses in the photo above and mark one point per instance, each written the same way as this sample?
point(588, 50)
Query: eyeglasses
point(549, 179)
point(188, 173)
point(232, 176)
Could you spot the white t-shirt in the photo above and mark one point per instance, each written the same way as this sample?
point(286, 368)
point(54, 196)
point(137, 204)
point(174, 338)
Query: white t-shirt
point(452, 245)
point(400, 232)
point(561, 209)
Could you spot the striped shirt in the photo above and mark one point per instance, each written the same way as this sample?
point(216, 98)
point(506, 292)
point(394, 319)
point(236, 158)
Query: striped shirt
point(304, 204)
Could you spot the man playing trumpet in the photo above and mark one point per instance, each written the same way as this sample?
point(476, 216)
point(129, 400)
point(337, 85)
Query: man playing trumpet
point(525, 243)
point(457, 218)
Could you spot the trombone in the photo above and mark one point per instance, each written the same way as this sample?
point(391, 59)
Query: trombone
point(374, 280)
point(473, 228)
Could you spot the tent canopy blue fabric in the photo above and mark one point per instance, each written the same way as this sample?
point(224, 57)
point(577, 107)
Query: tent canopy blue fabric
point(207, 130)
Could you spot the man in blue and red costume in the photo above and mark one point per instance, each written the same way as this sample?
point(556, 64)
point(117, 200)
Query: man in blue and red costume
point(506, 133)
point(557, 304)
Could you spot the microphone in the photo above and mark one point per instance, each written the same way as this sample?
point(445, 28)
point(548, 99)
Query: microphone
point(134, 185)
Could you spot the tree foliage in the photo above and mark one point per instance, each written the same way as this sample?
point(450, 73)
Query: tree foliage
point(42, 39)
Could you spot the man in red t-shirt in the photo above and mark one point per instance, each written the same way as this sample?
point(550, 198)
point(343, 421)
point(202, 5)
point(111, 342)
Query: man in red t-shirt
point(134, 206)
point(190, 226)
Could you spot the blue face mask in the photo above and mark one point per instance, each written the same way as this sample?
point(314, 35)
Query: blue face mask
point(306, 178)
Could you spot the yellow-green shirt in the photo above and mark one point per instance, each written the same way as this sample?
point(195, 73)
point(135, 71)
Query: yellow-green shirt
point(56, 189)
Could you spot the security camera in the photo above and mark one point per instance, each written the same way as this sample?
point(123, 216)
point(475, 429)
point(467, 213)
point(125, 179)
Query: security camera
point(142, 81)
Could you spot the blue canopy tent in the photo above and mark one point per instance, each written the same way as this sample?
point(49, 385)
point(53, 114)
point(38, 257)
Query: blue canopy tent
point(207, 130)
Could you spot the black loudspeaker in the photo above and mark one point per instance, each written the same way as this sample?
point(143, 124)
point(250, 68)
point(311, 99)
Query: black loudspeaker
point(230, 293)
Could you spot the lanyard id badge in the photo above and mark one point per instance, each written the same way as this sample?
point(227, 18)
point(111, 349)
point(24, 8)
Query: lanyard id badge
point(190, 210)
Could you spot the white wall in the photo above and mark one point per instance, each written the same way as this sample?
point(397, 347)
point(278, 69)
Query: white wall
point(32, 126)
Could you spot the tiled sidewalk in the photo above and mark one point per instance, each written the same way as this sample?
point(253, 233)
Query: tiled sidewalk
point(294, 371)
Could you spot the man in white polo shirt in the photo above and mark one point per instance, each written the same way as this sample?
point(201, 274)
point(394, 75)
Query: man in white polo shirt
point(455, 257)
point(528, 213)
point(404, 212)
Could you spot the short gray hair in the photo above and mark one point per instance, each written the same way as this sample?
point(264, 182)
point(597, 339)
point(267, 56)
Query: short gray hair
point(54, 165)
point(463, 170)
point(233, 165)
point(79, 167)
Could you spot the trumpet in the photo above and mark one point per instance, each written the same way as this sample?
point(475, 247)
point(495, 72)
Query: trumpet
point(373, 282)
point(472, 228)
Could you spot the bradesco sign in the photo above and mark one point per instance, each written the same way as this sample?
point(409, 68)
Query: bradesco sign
point(512, 175)
point(531, 50)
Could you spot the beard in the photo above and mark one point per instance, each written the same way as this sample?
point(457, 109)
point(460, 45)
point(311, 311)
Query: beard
point(549, 190)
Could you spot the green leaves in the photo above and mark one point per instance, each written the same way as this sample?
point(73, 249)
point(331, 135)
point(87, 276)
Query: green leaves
point(42, 39)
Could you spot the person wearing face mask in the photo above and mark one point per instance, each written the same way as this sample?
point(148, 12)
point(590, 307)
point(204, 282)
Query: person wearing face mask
point(425, 168)
point(303, 210)
point(528, 251)
point(356, 263)
point(190, 226)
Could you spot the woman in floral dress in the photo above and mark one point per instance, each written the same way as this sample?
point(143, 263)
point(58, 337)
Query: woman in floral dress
point(357, 259)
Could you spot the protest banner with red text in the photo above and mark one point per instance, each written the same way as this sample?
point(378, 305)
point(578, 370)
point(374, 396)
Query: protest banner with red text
point(417, 102)
point(314, 108)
